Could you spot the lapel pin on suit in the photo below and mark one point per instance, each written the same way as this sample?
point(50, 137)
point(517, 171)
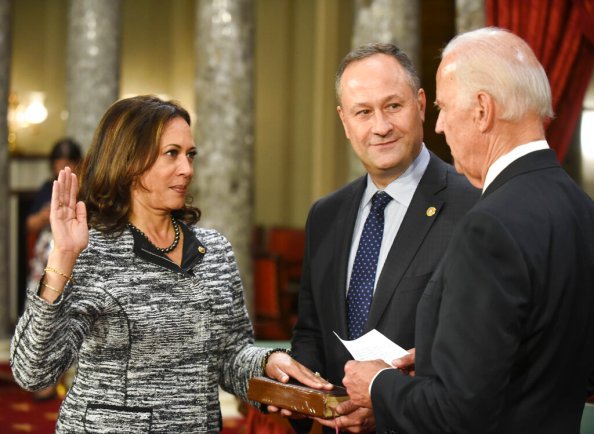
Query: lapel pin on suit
point(431, 211)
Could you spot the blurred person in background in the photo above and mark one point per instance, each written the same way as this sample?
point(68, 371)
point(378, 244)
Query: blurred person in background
point(65, 152)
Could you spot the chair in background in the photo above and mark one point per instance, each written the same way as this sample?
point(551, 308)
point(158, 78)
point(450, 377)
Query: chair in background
point(277, 255)
point(289, 245)
point(274, 316)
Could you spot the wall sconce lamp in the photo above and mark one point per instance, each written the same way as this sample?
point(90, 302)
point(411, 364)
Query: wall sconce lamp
point(24, 114)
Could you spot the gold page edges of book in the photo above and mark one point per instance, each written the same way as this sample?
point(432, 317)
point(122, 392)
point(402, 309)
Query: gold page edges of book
point(296, 397)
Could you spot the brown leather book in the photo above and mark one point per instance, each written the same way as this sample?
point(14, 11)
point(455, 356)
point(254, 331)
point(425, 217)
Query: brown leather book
point(296, 397)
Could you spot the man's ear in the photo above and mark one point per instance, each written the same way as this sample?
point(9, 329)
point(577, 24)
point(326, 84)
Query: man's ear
point(484, 111)
point(341, 115)
point(422, 102)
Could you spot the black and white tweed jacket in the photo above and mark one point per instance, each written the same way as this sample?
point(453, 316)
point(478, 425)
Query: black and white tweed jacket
point(152, 341)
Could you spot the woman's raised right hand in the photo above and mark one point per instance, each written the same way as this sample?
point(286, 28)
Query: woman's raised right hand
point(68, 218)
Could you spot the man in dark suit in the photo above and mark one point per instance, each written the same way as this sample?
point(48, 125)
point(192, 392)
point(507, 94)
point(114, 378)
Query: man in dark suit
point(505, 328)
point(382, 108)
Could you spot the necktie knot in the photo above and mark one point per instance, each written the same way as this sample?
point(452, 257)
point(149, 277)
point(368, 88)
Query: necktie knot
point(379, 201)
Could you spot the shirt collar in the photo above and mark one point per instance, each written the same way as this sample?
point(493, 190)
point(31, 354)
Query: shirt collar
point(402, 188)
point(505, 160)
point(193, 251)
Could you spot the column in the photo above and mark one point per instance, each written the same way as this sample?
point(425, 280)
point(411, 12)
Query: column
point(223, 124)
point(327, 138)
point(93, 64)
point(5, 55)
point(395, 21)
point(470, 15)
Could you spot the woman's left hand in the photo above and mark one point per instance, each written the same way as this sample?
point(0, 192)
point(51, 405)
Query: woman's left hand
point(282, 367)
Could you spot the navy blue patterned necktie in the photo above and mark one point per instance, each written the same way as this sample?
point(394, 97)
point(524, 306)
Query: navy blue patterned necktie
point(364, 268)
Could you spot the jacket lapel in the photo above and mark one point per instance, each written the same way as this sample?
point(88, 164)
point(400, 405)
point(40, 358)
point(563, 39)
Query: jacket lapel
point(416, 224)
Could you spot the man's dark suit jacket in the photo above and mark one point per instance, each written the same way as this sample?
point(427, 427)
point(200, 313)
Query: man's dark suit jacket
point(415, 253)
point(505, 328)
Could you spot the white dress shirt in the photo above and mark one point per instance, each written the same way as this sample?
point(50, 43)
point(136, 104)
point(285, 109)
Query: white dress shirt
point(505, 160)
point(401, 190)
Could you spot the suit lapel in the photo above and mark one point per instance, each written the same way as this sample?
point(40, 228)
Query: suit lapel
point(343, 234)
point(411, 234)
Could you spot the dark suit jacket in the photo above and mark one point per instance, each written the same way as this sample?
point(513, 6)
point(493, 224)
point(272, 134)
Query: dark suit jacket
point(415, 253)
point(505, 328)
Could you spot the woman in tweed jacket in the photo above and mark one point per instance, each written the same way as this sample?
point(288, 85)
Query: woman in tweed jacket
point(154, 330)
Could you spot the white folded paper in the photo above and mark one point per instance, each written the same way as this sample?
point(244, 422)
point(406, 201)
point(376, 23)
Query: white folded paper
point(373, 345)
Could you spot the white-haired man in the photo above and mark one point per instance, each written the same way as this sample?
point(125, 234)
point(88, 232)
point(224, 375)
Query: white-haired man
point(505, 327)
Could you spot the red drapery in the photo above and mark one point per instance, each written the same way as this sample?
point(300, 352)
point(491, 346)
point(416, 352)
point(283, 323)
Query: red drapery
point(561, 33)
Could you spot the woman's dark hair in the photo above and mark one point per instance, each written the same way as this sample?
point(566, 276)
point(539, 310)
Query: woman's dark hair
point(125, 146)
point(65, 148)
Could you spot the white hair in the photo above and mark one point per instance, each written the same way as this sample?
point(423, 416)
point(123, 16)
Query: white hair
point(501, 64)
